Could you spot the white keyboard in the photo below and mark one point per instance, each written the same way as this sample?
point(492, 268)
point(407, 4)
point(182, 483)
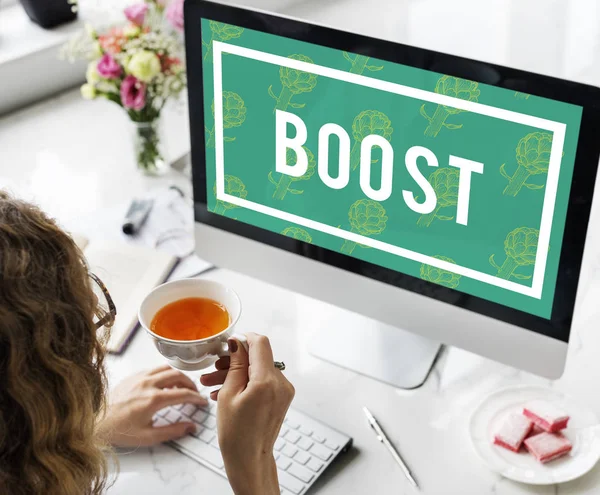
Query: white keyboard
point(304, 449)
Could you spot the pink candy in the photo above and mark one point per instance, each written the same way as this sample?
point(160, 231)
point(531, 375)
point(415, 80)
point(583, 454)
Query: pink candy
point(546, 447)
point(538, 429)
point(513, 431)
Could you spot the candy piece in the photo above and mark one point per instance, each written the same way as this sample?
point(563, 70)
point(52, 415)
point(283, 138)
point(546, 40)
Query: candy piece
point(536, 430)
point(547, 416)
point(512, 432)
point(546, 447)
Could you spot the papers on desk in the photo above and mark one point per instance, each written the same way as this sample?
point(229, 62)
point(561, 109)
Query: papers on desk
point(131, 266)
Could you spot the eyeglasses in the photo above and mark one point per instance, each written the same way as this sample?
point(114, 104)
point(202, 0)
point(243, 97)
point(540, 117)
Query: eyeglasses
point(106, 310)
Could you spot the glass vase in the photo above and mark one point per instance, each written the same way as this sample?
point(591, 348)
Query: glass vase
point(148, 141)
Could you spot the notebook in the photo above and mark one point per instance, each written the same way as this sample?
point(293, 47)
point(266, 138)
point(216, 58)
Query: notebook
point(129, 272)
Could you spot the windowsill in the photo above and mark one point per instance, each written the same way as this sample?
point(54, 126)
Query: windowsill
point(20, 37)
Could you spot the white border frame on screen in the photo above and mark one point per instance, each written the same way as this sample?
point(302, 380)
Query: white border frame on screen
point(557, 128)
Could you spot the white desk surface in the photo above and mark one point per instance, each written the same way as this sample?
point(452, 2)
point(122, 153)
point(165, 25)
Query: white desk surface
point(74, 158)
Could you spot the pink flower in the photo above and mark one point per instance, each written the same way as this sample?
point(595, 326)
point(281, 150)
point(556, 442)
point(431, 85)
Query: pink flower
point(174, 14)
point(136, 13)
point(133, 93)
point(108, 67)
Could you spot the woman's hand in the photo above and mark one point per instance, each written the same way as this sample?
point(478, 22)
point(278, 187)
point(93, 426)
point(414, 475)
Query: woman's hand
point(253, 402)
point(128, 420)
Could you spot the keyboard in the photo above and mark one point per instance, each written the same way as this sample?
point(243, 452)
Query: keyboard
point(303, 451)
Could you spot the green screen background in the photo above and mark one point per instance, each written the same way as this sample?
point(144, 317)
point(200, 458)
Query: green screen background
point(501, 200)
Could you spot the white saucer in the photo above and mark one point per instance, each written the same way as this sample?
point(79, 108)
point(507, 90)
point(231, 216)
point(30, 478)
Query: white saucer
point(583, 431)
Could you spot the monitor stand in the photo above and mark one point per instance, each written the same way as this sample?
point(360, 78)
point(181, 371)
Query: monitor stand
point(371, 348)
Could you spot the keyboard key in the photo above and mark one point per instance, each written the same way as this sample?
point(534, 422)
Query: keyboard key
point(202, 450)
point(332, 445)
point(300, 472)
point(207, 436)
point(178, 406)
point(210, 422)
point(199, 416)
point(163, 412)
point(279, 443)
point(215, 443)
point(305, 443)
point(160, 422)
point(315, 465)
point(321, 452)
point(289, 450)
point(283, 463)
point(276, 455)
point(318, 438)
point(292, 424)
point(173, 416)
point(283, 431)
point(302, 457)
point(199, 430)
point(289, 482)
point(292, 436)
point(188, 410)
point(305, 431)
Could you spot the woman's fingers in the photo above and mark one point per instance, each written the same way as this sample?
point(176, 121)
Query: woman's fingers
point(158, 369)
point(214, 378)
point(260, 354)
point(223, 363)
point(214, 395)
point(173, 396)
point(172, 378)
point(170, 432)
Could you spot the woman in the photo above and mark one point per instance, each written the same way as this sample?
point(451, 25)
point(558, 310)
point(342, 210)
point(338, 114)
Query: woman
point(55, 421)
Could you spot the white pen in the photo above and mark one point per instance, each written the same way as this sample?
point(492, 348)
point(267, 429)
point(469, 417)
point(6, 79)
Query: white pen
point(385, 441)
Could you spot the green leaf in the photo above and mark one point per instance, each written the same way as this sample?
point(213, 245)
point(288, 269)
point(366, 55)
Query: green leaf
point(374, 68)
point(503, 172)
point(297, 105)
point(441, 217)
point(271, 93)
point(424, 113)
point(533, 186)
point(228, 139)
point(452, 126)
point(271, 180)
point(521, 277)
point(348, 57)
point(295, 191)
point(493, 263)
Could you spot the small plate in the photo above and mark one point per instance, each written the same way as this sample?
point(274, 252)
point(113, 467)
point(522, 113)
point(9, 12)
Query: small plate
point(583, 431)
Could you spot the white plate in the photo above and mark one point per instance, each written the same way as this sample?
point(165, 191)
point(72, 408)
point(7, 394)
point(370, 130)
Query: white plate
point(583, 431)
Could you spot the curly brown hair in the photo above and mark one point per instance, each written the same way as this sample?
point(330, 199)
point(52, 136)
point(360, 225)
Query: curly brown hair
point(52, 379)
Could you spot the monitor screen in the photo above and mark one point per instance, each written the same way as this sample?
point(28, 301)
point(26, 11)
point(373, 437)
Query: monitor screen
point(443, 185)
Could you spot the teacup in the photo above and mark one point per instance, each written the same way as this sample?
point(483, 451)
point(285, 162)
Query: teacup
point(191, 355)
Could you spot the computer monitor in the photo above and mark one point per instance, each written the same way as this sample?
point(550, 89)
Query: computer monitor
point(442, 199)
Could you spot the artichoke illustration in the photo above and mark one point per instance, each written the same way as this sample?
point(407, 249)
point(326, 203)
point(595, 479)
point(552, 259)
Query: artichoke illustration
point(521, 96)
point(367, 123)
point(283, 185)
point(440, 276)
point(298, 234)
point(445, 184)
point(520, 247)
point(359, 64)
point(234, 115)
point(368, 218)
point(456, 88)
point(233, 186)
point(220, 32)
point(293, 82)
point(533, 158)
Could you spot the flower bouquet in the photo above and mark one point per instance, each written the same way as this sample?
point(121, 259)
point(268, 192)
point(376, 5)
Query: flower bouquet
point(138, 66)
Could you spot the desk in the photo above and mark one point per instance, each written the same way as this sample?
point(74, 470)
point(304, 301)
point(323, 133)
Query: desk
point(73, 157)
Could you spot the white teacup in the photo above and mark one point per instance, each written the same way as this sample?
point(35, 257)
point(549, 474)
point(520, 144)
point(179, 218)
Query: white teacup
point(191, 355)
